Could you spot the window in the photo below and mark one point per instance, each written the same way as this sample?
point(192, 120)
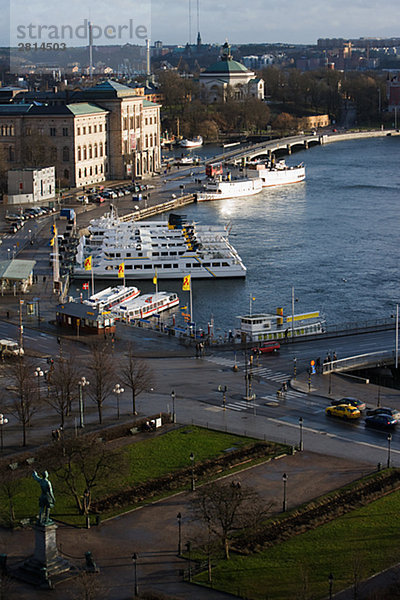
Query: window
point(100, 127)
point(131, 123)
point(78, 131)
point(90, 129)
point(11, 154)
point(84, 153)
point(80, 173)
point(125, 147)
point(125, 126)
point(101, 148)
point(79, 153)
point(146, 121)
point(65, 154)
point(147, 142)
point(52, 131)
point(84, 172)
point(91, 171)
point(90, 151)
point(65, 131)
point(95, 151)
point(53, 154)
point(137, 122)
point(94, 128)
point(84, 130)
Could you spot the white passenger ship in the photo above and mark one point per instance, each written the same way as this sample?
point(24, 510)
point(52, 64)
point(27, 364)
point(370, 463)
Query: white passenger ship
point(111, 296)
point(145, 306)
point(219, 189)
point(170, 249)
point(279, 173)
point(262, 327)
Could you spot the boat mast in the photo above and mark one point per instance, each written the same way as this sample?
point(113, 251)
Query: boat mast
point(292, 313)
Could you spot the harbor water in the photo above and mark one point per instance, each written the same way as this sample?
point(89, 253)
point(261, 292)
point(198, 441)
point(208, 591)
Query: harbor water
point(334, 238)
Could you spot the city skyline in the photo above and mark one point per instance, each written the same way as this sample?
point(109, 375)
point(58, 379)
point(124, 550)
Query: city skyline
point(262, 21)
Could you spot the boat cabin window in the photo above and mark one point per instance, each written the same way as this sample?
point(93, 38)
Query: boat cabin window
point(164, 253)
point(118, 255)
point(196, 265)
point(167, 266)
point(148, 267)
point(156, 254)
point(172, 253)
point(175, 266)
point(138, 267)
point(128, 267)
point(216, 264)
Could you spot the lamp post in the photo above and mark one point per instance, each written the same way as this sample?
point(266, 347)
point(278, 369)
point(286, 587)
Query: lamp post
point(38, 374)
point(294, 367)
point(389, 440)
point(3, 421)
point(192, 462)
point(224, 397)
point(117, 391)
point(83, 382)
point(134, 558)
point(188, 548)
point(330, 579)
point(179, 517)
point(301, 434)
point(284, 503)
point(173, 406)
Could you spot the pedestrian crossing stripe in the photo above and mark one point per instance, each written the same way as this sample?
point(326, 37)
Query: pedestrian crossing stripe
point(265, 372)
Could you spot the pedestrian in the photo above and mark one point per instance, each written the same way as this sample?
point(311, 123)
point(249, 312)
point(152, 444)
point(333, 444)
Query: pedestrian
point(328, 358)
point(318, 364)
point(8, 314)
point(334, 356)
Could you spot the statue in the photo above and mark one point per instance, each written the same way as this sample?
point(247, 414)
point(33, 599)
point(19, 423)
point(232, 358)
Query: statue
point(46, 500)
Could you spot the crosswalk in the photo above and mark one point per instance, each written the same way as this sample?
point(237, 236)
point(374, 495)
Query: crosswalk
point(291, 396)
point(262, 372)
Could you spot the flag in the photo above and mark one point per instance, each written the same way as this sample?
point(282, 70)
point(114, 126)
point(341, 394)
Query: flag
point(155, 278)
point(52, 241)
point(88, 263)
point(121, 270)
point(183, 307)
point(54, 229)
point(186, 283)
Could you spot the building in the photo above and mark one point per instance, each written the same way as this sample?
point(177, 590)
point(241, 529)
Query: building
point(107, 131)
point(229, 76)
point(16, 276)
point(82, 318)
point(31, 185)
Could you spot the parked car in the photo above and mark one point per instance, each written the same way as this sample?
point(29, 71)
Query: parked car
point(384, 411)
point(380, 421)
point(348, 400)
point(266, 347)
point(344, 411)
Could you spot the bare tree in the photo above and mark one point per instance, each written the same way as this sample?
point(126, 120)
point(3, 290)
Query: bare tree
point(136, 375)
point(26, 401)
point(227, 507)
point(88, 587)
point(62, 380)
point(102, 375)
point(80, 463)
point(10, 485)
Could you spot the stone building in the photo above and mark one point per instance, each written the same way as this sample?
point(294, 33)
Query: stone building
point(229, 76)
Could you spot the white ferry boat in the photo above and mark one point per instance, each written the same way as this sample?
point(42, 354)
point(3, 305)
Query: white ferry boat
point(171, 249)
point(267, 326)
point(144, 306)
point(195, 142)
point(111, 296)
point(220, 189)
point(272, 174)
point(188, 160)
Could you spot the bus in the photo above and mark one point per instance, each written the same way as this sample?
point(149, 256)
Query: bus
point(214, 169)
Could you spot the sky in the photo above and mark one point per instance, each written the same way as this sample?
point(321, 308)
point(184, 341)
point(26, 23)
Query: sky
point(272, 21)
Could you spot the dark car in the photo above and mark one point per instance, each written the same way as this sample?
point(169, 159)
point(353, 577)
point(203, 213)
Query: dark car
point(380, 421)
point(395, 414)
point(352, 401)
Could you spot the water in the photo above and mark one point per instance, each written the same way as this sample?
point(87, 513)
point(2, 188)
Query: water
point(335, 238)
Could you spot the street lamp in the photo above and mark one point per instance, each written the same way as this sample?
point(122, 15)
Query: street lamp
point(188, 548)
point(224, 397)
point(179, 517)
point(134, 558)
point(301, 434)
point(192, 462)
point(173, 406)
point(330, 579)
point(117, 391)
point(389, 440)
point(284, 503)
point(294, 367)
point(3, 421)
point(38, 374)
point(83, 382)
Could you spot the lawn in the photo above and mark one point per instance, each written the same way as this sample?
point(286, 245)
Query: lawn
point(352, 548)
point(148, 459)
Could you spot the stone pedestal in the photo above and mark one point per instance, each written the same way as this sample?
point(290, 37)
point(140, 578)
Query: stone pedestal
point(46, 565)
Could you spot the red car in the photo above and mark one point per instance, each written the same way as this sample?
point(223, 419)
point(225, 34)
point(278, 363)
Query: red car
point(267, 347)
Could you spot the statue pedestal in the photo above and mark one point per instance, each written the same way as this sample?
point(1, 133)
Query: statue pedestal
point(46, 564)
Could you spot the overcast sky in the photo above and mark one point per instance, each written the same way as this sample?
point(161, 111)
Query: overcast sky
point(288, 21)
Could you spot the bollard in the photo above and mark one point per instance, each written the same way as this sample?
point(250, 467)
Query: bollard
point(379, 466)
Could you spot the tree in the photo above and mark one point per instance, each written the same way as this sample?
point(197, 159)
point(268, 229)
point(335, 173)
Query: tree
point(226, 508)
point(284, 122)
point(136, 375)
point(26, 401)
point(10, 484)
point(102, 375)
point(63, 380)
point(80, 463)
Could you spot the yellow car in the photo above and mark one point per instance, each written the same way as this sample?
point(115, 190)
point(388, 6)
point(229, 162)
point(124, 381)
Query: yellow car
point(345, 411)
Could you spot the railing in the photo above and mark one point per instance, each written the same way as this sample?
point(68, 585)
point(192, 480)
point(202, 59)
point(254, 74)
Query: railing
point(361, 360)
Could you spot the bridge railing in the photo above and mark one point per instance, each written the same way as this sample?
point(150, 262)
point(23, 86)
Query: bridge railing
point(351, 362)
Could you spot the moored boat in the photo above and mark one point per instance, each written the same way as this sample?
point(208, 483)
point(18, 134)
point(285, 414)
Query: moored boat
point(219, 189)
point(145, 306)
point(112, 296)
point(263, 327)
point(195, 142)
point(279, 173)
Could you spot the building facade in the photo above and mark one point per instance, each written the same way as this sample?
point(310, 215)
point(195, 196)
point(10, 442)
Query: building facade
point(31, 185)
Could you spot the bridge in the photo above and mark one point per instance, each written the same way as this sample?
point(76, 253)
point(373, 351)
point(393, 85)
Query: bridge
point(287, 145)
point(366, 361)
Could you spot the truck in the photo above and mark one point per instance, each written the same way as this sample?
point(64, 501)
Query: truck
point(68, 213)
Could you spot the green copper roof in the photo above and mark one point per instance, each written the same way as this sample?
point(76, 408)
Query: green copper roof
point(84, 108)
point(109, 89)
point(148, 103)
point(227, 66)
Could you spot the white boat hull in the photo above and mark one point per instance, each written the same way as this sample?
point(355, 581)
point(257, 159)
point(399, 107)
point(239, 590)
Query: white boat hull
point(222, 190)
point(274, 177)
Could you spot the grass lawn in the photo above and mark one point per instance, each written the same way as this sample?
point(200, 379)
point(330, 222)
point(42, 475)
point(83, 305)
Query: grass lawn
point(148, 459)
point(352, 547)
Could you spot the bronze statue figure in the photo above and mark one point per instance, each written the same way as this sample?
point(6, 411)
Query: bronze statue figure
point(46, 500)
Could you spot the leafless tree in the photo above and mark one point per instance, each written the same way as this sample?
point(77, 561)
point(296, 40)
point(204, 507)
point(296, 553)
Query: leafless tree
point(227, 507)
point(136, 375)
point(62, 380)
point(88, 587)
point(10, 485)
point(26, 401)
point(80, 463)
point(102, 373)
